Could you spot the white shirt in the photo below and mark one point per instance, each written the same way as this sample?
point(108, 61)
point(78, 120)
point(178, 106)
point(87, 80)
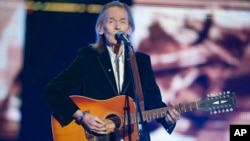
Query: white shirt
point(119, 79)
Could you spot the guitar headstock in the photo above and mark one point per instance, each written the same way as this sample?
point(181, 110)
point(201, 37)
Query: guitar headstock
point(218, 103)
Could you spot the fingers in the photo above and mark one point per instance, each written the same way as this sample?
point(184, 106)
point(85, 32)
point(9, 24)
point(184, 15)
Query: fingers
point(172, 115)
point(94, 124)
point(99, 127)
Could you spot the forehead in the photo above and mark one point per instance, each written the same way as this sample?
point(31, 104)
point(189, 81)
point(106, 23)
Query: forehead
point(116, 12)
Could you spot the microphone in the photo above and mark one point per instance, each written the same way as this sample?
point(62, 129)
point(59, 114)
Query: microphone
point(121, 36)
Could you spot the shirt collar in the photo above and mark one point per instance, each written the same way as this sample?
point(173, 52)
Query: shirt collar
point(113, 55)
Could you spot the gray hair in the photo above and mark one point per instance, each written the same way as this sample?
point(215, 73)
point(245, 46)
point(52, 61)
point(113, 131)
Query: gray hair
point(100, 18)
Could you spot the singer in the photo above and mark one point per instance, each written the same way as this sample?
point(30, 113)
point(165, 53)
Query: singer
point(102, 72)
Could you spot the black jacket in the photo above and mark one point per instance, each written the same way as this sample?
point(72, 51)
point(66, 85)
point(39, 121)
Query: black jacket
point(93, 72)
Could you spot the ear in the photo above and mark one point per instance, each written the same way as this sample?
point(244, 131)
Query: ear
point(100, 29)
point(129, 32)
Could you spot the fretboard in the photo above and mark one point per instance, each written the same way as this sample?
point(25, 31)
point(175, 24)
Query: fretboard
point(160, 112)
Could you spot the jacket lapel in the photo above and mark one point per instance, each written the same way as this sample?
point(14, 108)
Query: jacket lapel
point(105, 63)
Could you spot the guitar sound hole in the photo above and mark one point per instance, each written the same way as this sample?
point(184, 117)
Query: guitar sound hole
point(115, 119)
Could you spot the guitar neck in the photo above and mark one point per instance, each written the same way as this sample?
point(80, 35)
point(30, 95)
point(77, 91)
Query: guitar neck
point(161, 112)
point(225, 102)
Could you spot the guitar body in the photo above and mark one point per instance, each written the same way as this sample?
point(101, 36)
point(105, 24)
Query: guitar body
point(104, 109)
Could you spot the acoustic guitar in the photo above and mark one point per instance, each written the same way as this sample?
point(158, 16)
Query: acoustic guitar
point(122, 119)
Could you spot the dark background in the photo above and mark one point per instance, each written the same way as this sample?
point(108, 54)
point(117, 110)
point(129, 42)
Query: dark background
point(52, 41)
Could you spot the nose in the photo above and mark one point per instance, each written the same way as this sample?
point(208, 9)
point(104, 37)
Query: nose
point(117, 26)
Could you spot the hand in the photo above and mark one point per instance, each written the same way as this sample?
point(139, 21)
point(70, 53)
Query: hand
point(172, 115)
point(94, 124)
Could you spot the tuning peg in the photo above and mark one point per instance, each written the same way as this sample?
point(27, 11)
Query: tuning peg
point(219, 111)
point(212, 112)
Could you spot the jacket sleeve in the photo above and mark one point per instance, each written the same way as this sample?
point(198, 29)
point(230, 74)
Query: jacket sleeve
point(152, 94)
point(56, 91)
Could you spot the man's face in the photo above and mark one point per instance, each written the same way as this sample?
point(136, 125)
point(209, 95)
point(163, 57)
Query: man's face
point(116, 19)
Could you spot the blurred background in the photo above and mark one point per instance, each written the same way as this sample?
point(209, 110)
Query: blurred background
point(197, 47)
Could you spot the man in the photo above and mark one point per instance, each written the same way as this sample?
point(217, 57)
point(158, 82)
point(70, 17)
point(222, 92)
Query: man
point(95, 70)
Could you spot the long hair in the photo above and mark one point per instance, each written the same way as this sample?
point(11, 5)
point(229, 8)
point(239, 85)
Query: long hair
point(100, 39)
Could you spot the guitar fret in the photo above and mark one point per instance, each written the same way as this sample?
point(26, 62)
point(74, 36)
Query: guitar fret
point(145, 116)
point(184, 108)
point(149, 117)
point(188, 107)
point(181, 108)
point(194, 105)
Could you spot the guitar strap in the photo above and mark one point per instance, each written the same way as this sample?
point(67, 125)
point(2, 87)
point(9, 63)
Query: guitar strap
point(137, 80)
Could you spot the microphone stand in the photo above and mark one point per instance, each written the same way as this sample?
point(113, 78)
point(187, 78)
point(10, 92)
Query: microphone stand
point(143, 132)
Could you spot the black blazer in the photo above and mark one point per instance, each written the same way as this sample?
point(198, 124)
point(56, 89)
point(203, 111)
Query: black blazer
point(93, 72)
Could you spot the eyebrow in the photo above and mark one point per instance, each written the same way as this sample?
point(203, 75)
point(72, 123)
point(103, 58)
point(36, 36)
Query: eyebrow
point(112, 18)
